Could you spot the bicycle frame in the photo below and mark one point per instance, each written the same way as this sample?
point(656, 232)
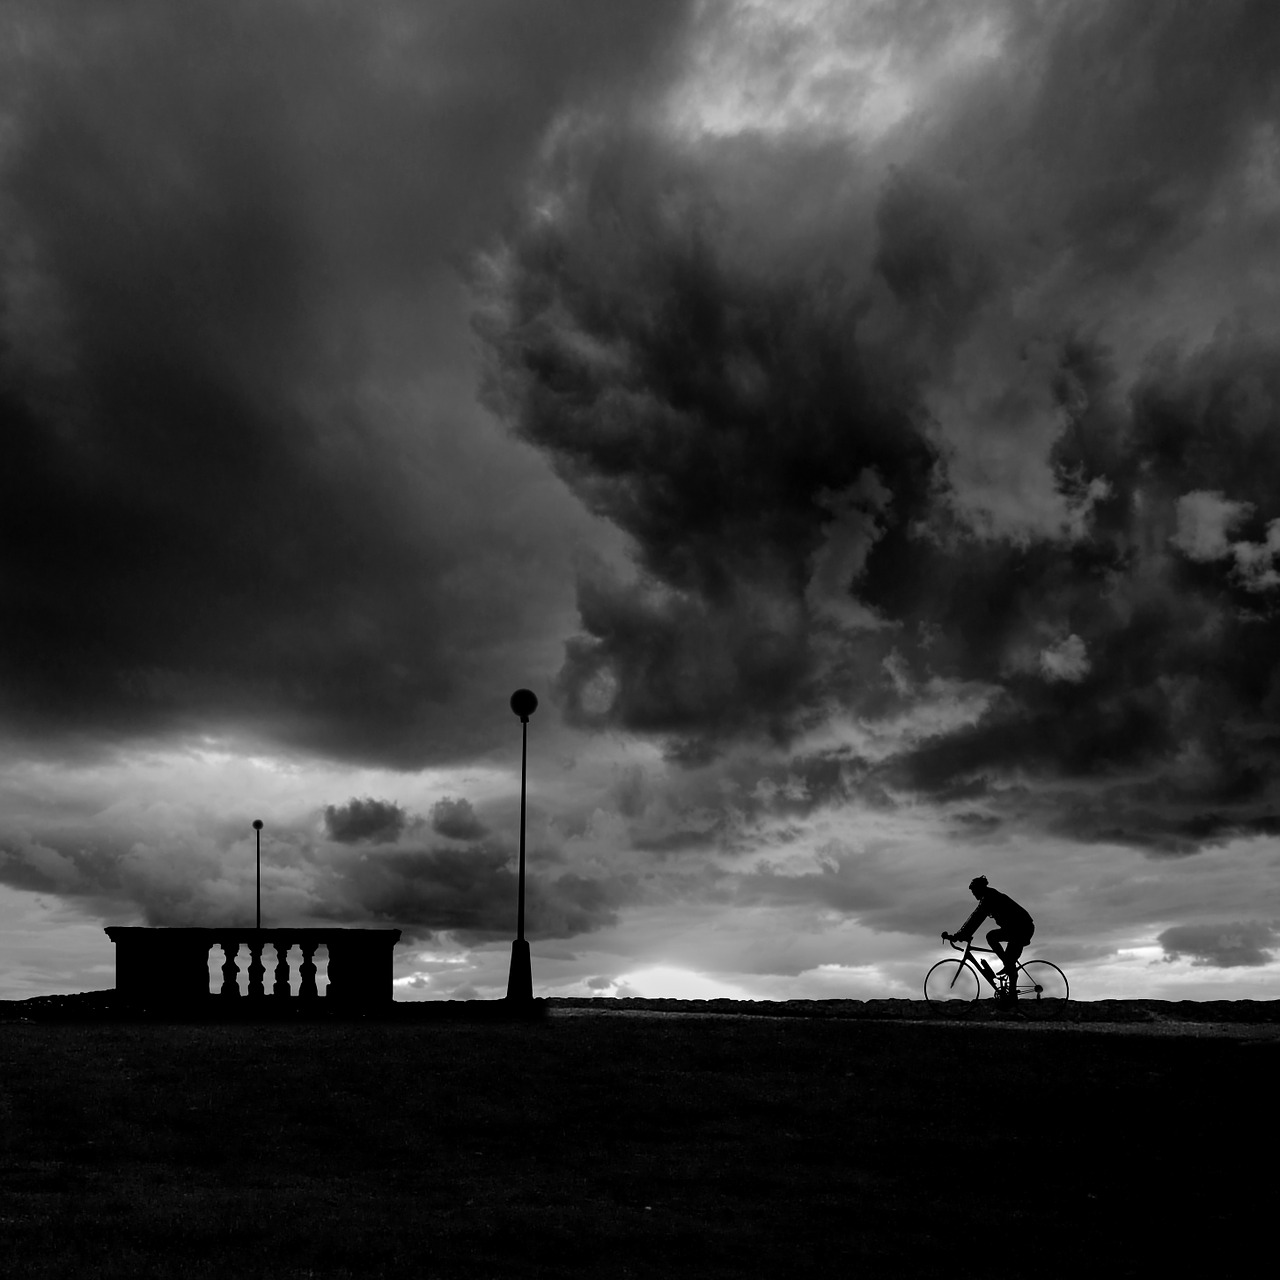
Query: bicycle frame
point(993, 979)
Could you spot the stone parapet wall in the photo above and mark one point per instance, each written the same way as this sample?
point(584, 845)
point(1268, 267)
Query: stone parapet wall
point(172, 965)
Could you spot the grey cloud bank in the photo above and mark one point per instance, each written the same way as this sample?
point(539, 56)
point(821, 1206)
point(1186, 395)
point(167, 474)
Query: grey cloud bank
point(1224, 946)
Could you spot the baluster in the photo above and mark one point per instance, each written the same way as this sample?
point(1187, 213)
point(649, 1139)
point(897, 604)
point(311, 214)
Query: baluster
point(307, 971)
point(256, 968)
point(281, 988)
point(230, 973)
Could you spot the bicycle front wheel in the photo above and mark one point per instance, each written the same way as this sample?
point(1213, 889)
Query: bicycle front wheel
point(1042, 990)
point(951, 987)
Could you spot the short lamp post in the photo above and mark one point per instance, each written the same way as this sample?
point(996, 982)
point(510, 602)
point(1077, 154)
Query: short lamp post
point(257, 836)
point(524, 703)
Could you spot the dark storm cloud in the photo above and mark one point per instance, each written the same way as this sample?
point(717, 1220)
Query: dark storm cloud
point(1175, 621)
point(1222, 946)
point(198, 877)
point(723, 417)
point(454, 817)
point(50, 865)
point(947, 445)
point(365, 819)
point(468, 892)
point(234, 378)
point(1180, 827)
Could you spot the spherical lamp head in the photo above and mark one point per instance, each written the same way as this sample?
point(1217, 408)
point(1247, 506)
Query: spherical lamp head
point(257, 824)
point(524, 702)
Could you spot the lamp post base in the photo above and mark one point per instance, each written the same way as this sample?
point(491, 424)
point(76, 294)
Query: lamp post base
point(520, 978)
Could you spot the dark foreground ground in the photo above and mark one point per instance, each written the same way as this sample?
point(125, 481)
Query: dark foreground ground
point(611, 1140)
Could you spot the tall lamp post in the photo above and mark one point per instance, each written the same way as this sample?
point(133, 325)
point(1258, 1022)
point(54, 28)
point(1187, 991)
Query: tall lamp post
point(524, 702)
point(257, 836)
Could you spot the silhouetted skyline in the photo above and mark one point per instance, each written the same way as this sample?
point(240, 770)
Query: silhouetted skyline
point(859, 428)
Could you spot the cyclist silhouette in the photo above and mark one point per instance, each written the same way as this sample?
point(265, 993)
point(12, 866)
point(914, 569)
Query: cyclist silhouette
point(1014, 927)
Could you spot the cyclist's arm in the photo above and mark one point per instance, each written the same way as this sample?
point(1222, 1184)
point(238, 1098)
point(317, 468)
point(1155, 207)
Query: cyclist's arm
point(965, 932)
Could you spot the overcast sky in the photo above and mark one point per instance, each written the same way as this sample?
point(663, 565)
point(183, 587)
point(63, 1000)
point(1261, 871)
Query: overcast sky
point(859, 423)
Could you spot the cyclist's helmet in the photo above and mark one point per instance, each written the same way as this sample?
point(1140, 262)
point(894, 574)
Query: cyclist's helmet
point(978, 884)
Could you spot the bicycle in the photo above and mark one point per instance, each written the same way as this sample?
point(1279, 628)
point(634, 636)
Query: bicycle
point(952, 987)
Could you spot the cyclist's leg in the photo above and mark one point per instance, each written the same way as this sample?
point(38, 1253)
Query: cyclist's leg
point(1008, 948)
point(1012, 951)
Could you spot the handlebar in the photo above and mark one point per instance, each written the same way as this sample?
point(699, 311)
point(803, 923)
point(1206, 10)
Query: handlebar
point(957, 945)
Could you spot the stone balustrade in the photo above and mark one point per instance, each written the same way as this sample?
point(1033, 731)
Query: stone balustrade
point(172, 965)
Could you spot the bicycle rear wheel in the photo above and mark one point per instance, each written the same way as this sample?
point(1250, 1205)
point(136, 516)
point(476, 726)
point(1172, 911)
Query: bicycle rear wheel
point(951, 987)
point(1042, 990)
